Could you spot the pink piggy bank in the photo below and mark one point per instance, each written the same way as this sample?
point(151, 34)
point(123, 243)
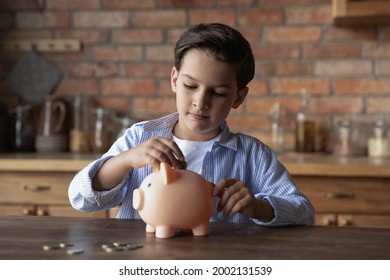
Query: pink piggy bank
point(174, 199)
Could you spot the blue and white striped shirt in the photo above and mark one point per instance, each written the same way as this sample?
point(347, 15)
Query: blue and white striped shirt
point(232, 156)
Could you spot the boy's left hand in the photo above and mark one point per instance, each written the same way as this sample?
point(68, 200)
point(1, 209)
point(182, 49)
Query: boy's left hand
point(235, 197)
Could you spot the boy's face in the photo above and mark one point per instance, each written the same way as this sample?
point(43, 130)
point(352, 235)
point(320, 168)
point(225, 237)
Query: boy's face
point(206, 91)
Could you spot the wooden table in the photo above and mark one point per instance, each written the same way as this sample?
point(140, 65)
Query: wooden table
point(22, 238)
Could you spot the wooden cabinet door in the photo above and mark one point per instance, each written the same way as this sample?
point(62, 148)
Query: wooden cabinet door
point(377, 221)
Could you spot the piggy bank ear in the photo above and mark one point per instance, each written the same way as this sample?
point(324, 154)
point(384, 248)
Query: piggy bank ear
point(168, 174)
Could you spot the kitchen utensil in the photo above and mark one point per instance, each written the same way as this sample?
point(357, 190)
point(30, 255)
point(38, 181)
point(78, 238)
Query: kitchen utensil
point(33, 77)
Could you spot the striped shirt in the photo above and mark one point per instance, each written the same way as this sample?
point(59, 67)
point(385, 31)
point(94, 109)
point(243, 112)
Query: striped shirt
point(233, 155)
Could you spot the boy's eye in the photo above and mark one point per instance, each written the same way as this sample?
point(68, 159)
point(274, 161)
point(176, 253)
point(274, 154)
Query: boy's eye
point(190, 86)
point(219, 94)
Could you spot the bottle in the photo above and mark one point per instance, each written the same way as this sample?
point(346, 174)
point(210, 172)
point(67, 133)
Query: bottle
point(305, 128)
point(103, 132)
point(23, 127)
point(379, 143)
point(276, 115)
point(80, 130)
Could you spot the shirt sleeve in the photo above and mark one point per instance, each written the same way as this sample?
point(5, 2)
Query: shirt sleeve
point(83, 197)
point(291, 207)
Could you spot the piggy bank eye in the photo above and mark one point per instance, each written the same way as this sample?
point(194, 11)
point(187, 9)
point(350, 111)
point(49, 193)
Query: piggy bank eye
point(149, 185)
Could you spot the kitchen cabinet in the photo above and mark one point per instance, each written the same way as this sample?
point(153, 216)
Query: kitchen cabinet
point(34, 184)
point(360, 12)
point(344, 191)
point(351, 191)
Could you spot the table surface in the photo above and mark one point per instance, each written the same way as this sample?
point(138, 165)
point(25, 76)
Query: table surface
point(22, 238)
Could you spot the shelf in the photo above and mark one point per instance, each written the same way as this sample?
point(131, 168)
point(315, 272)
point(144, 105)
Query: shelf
point(360, 12)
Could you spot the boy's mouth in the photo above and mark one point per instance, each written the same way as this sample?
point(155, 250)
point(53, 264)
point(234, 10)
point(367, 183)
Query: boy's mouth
point(198, 116)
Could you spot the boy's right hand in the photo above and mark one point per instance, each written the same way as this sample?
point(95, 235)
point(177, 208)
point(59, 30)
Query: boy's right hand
point(154, 151)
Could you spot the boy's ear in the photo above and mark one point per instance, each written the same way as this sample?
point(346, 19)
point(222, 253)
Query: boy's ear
point(174, 75)
point(240, 97)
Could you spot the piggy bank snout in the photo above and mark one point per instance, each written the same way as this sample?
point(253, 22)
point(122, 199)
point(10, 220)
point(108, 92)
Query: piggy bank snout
point(138, 199)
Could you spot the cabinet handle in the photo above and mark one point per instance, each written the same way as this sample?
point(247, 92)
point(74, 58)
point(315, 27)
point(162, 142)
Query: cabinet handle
point(329, 222)
point(42, 212)
point(36, 188)
point(338, 195)
point(27, 212)
point(345, 223)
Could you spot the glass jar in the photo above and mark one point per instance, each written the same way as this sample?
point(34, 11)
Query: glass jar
point(351, 138)
point(124, 124)
point(103, 130)
point(379, 142)
point(81, 128)
point(23, 127)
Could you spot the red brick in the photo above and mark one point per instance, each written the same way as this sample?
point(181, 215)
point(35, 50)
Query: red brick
point(73, 87)
point(293, 34)
point(295, 86)
point(336, 105)
point(86, 36)
point(376, 50)
point(247, 122)
point(134, 87)
point(30, 34)
point(343, 67)
point(72, 4)
point(100, 19)
point(173, 34)
point(45, 20)
point(331, 50)
point(119, 105)
point(151, 107)
point(117, 53)
point(160, 53)
point(384, 31)
point(285, 69)
point(93, 70)
point(19, 5)
point(258, 87)
point(356, 33)
point(309, 15)
point(138, 36)
point(275, 51)
point(362, 86)
point(66, 56)
point(256, 16)
point(185, 4)
point(149, 69)
point(251, 33)
point(263, 106)
point(164, 88)
point(226, 16)
point(378, 105)
point(159, 18)
point(382, 67)
point(129, 4)
point(286, 1)
point(238, 3)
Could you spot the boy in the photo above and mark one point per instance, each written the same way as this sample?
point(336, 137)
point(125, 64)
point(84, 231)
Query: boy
point(213, 65)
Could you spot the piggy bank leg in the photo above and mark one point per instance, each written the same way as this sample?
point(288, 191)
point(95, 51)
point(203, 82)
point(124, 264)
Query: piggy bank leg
point(201, 230)
point(150, 228)
point(164, 232)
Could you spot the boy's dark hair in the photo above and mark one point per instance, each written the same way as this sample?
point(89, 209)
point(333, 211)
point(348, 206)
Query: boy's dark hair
point(224, 43)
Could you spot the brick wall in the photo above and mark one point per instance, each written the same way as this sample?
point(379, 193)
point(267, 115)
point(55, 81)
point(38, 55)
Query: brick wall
point(128, 54)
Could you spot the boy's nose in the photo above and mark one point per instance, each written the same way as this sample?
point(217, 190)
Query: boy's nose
point(200, 101)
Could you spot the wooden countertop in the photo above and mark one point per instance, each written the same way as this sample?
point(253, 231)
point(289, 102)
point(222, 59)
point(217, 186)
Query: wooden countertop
point(36, 162)
point(225, 241)
point(297, 164)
